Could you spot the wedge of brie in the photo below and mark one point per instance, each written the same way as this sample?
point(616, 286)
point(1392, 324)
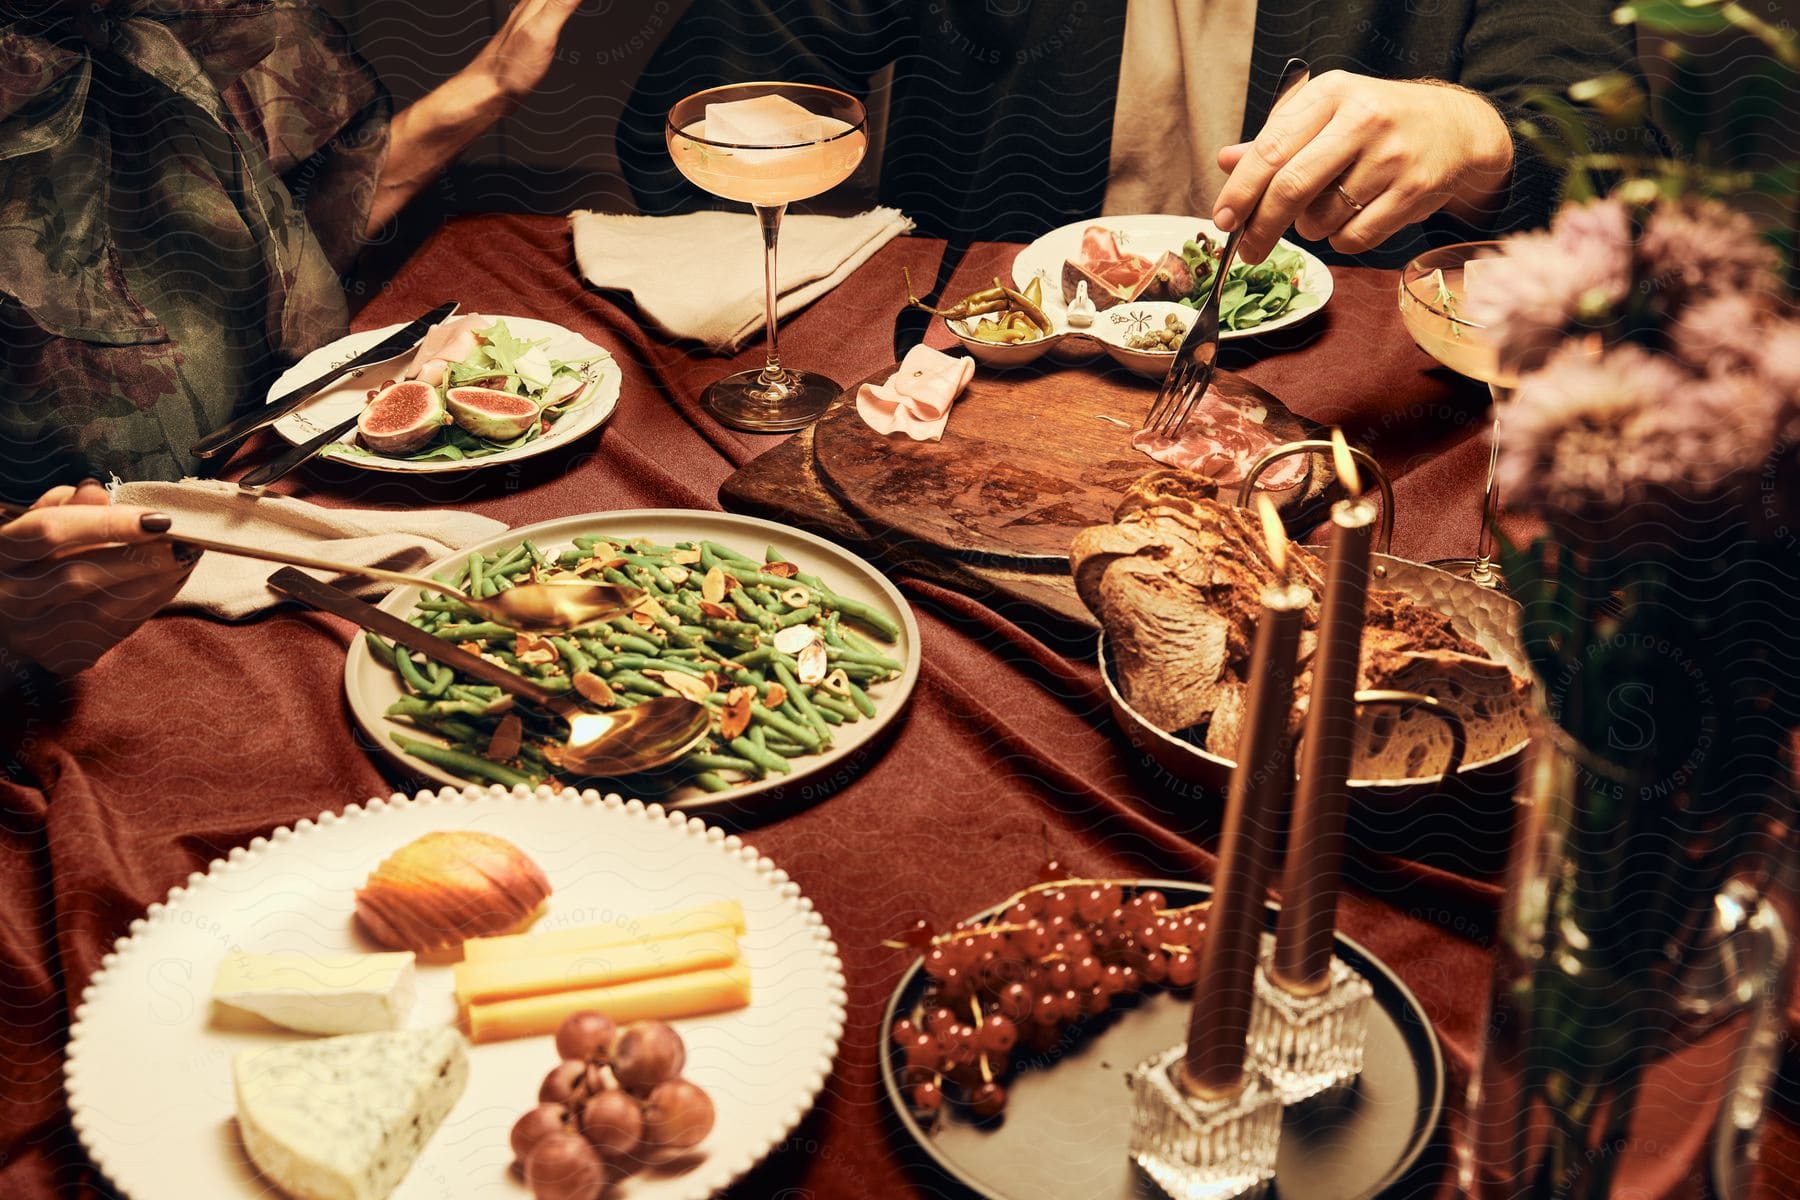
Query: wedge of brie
point(343, 1118)
point(320, 993)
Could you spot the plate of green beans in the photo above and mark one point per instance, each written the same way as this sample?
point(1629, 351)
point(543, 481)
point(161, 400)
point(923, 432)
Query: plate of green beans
point(803, 652)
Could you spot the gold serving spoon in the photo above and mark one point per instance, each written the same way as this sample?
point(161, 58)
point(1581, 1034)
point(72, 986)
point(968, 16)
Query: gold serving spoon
point(602, 744)
point(550, 607)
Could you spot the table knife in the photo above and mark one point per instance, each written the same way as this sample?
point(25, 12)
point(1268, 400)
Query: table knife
point(397, 342)
point(276, 467)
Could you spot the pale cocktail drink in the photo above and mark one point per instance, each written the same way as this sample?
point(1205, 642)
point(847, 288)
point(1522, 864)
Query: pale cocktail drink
point(768, 145)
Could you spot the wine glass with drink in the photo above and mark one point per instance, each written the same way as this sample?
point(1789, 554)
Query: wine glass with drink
point(768, 145)
point(1433, 287)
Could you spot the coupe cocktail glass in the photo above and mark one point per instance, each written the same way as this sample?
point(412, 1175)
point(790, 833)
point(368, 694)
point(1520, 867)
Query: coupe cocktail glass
point(771, 155)
point(1432, 288)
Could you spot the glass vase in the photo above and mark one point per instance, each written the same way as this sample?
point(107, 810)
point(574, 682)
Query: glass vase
point(1641, 959)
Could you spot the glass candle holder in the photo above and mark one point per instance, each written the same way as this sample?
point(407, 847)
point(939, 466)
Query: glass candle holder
point(1200, 1149)
point(1306, 1045)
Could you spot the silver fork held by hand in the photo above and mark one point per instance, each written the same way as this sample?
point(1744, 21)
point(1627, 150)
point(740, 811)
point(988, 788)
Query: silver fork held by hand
point(1192, 372)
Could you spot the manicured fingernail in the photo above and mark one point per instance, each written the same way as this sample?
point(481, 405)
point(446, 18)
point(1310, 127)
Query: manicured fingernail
point(1225, 219)
point(155, 522)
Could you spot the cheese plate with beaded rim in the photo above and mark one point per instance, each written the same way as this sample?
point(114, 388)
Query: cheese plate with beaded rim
point(145, 1027)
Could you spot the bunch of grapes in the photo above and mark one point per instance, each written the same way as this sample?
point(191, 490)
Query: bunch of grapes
point(1054, 954)
point(585, 1131)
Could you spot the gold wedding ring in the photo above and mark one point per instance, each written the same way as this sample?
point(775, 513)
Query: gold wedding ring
point(1347, 198)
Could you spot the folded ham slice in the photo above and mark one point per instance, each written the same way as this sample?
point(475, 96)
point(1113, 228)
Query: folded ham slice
point(446, 343)
point(1223, 440)
point(1115, 277)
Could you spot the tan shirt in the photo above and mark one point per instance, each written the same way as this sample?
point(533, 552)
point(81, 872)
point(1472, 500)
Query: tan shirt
point(1182, 82)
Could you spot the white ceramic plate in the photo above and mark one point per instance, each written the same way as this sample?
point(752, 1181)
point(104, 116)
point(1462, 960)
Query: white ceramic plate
point(371, 687)
point(345, 398)
point(1150, 235)
point(149, 1071)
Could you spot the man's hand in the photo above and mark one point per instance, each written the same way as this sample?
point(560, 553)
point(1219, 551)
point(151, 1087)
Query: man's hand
point(1356, 159)
point(77, 574)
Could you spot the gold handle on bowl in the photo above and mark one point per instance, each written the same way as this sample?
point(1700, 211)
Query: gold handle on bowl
point(1363, 459)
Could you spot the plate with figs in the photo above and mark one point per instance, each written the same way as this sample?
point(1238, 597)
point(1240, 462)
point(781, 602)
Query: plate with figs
point(471, 994)
point(1012, 1038)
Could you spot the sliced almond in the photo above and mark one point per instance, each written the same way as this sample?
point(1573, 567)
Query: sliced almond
point(796, 597)
point(644, 619)
point(472, 647)
point(685, 557)
point(812, 664)
point(775, 697)
point(796, 638)
point(676, 575)
point(837, 683)
point(712, 585)
point(781, 570)
point(717, 611)
point(682, 684)
point(734, 717)
point(508, 735)
point(502, 705)
point(594, 689)
point(732, 583)
point(528, 648)
point(712, 680)
point(615, 564)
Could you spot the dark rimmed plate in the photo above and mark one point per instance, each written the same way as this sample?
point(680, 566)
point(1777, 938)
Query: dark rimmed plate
point(1066, 1129)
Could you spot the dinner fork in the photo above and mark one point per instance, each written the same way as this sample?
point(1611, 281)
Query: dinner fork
point(1192, 371)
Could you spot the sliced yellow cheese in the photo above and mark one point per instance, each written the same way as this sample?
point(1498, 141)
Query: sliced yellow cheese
point(600, 966)
point(722, 914)
point(668, 998)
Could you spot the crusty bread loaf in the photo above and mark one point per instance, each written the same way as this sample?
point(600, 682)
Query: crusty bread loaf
point(1176, 582)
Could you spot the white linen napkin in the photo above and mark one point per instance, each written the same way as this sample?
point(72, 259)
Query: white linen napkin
point(235, 588)
point(700, 275)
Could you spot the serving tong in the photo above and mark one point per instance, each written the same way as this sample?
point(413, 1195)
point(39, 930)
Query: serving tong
point(651, 734)
point(550, 607)
point(1192, 373)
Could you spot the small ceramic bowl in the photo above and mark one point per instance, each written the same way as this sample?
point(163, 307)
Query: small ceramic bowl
point(1000, 354)
point(1114, 325)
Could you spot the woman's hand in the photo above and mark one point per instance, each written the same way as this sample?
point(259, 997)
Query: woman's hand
point(77, 574)
point(1356, 159)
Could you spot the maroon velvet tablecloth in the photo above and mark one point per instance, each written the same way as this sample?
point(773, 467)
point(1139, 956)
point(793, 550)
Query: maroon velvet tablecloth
point(195, 736)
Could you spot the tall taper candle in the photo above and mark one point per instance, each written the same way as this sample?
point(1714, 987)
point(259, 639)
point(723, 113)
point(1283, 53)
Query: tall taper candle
point(1306, 930)
point(1219, 1024)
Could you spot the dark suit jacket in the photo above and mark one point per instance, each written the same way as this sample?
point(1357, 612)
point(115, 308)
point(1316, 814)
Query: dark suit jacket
point(1000, 119)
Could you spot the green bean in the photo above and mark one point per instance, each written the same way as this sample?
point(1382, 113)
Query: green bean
point(857, 656)
point(537, 556)
point(770, 554)
point(568, 558)
point(727, 554)
point(718, 762)
point(632, 643)
point(470, 766)
point(747, 605)
point(731, 628)
point(633, 682)
point(476, 564)
point(706, 781)
point(785, 725)
point(441, 604)
point(766, 760)
point(380, 651)
point(785, 748)
point(477, 631)
point(799, 616)
point(803, 702)
point(415, 679)
point(588, 541)
point(828, 703)
point(573, 654)
point(861, 699)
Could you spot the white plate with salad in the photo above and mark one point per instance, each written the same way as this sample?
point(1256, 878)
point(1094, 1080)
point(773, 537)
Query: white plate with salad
point(1284, 290)
point(572, 387)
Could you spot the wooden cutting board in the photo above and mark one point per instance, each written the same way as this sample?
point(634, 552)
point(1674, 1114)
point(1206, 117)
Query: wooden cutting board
point(1030, 457)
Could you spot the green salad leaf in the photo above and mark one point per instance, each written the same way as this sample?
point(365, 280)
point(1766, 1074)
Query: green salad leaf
point(1253, 293)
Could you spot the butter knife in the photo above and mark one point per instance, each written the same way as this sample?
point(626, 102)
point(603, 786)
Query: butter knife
point(397, 342)
point(276, 467)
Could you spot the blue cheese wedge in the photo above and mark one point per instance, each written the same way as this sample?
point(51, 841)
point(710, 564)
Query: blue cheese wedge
point(320, 993)
point(343, 1118)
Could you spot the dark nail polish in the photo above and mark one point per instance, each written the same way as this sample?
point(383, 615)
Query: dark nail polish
point(155, 522)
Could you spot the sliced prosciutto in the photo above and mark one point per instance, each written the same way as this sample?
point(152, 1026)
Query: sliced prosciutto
point(1115, 277)
point(1223, 441)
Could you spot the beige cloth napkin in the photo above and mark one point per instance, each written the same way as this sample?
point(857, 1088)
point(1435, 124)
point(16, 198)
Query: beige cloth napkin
point(1183, 77)
point(700, 275)
point(234, 588)
point(916, 398)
